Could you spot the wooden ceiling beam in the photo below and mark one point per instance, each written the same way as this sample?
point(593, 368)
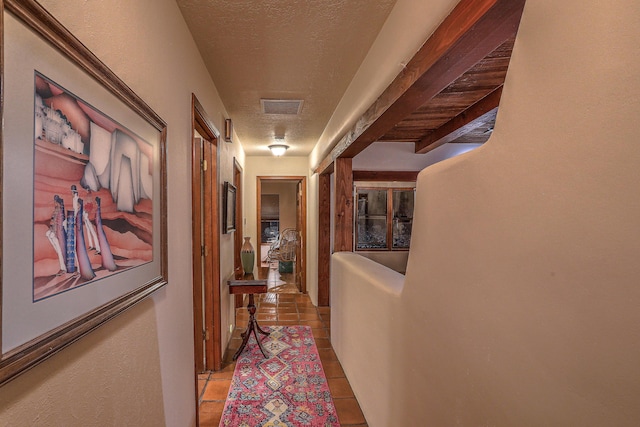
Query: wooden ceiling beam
point(402, 176)
point(472, 30)
point(473, 117)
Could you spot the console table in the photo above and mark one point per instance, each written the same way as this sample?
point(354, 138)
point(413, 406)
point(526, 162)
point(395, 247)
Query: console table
point(247, 284)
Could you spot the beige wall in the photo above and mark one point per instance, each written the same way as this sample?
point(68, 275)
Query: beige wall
point(520, 302)
point(395, 260)
point(286, 192)
point(527, 286)
point(138, 368)
point(90, 384)
point(365, 297)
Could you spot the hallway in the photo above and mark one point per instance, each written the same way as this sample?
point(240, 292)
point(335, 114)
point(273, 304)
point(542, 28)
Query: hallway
point(282, 305)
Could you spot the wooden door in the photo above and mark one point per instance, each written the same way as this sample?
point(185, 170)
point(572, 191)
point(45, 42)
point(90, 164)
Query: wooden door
point(199, 327)
point(206, 243)
point(206, 299)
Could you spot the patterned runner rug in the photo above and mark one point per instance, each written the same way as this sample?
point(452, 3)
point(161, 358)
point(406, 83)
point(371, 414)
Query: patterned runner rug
point(287, 389)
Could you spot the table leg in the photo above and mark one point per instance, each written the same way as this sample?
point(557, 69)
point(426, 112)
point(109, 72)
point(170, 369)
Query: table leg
point(252, 326)
point(260, 330)
point(256, 328)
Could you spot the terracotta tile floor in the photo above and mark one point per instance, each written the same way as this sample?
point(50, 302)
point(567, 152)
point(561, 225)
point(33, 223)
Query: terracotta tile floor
point(282, 308)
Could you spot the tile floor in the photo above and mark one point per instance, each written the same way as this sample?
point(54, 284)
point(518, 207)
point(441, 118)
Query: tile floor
point(284, 307)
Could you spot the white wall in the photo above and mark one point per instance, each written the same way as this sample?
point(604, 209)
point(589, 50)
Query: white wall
point(138, 368)
point(401, 156)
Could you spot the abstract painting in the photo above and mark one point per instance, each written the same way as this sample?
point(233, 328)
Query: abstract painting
point(93, 189)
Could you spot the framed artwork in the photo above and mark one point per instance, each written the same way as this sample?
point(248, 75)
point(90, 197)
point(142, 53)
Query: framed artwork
point(84, 233)
point(228, 130)
point(229, 208)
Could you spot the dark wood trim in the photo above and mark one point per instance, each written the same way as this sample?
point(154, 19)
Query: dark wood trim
point(243, 287)
point(402, 176)
point(258, 247)
point(2, 158)
point(324, 239)
point(474, 29)
point(237, 238)
point(343, 196)
point(196, 225)
point(211, 303)
point(202, 121)
point(390, 218)
point(477, 115)
point(302, 262)
point(216, 233)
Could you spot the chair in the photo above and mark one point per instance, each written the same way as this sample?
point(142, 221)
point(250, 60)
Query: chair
point(284, 247)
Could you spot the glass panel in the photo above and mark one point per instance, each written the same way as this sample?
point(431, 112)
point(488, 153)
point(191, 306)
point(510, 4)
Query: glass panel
point(372, 233)
point(403, 203)
point(269, 230)
point(402, 218)
point(401, 233)
point(372, 219)
point(372, 202)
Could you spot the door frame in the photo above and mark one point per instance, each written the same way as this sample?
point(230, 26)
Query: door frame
point(324, 239)
point(301, 264)
point(238, 237)
point(209, 304)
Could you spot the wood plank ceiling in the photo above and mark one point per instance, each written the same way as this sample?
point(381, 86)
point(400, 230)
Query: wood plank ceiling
point(474, 85)
point(450, 90)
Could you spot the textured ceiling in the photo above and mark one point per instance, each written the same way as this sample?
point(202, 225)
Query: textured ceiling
point(283, 49)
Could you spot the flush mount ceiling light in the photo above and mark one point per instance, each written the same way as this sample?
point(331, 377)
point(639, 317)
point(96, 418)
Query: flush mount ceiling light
point(278, 149)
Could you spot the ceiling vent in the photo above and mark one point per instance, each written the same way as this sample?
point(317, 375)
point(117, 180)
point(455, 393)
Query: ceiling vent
point(281, 106)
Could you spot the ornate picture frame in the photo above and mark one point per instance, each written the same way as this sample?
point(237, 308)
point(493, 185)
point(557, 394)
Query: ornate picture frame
point(229, 208)
point(46, 69)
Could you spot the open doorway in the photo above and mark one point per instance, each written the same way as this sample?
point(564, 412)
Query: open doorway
point(282, 205)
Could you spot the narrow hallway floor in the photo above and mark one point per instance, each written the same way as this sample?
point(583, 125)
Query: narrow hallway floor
point(282, 308)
